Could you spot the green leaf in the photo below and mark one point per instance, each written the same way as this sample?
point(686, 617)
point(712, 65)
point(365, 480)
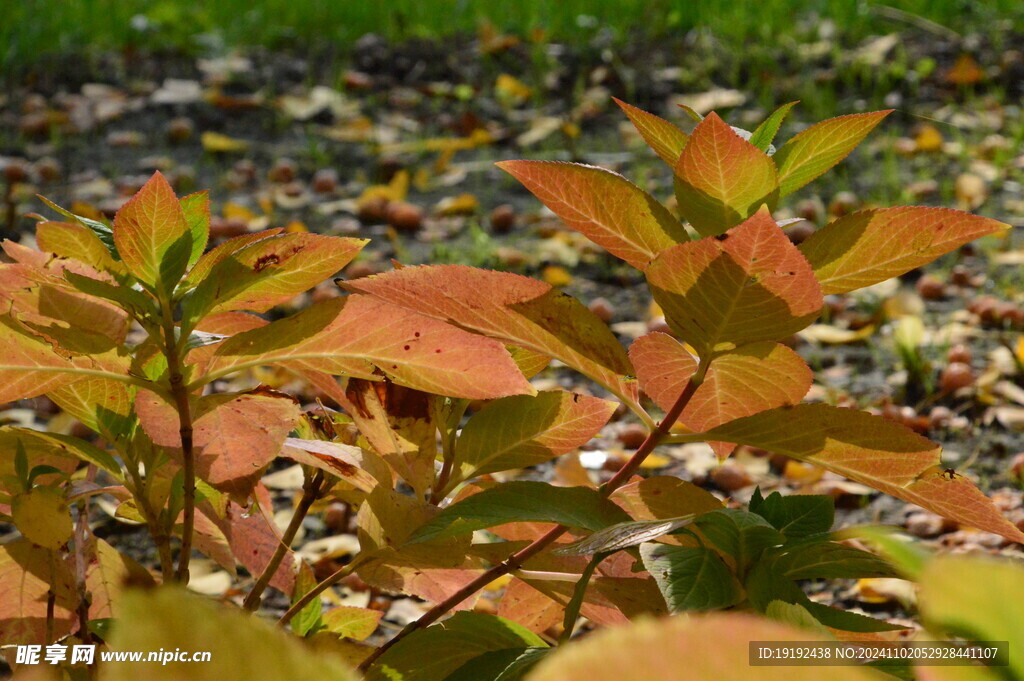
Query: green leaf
point(132, 300)
point(711, 289)
point(241, 647)
point(526, 430)
point(691, 578)
point(308, 620)
point(820, 147)
point(764, 135)
point(519, 501)
point(721, 179)
point(873, 451)
point(663, 137)
point(740, 534)
point(196, 208)
point(603, 206)
point(624, 535)
point(795, 615)
point(904, 552)
point(152, 235)
point(977, 599)
point(829, 560)
point(509, 664)
point(434, 653)
point(870, 246)
point(796, 515)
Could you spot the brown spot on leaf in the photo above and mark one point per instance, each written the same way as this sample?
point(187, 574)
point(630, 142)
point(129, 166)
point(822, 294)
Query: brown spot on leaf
point(264, 261)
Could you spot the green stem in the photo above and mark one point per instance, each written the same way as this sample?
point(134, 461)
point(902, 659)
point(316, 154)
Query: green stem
point(516, 560)
point(572, 610)
point(311, 489)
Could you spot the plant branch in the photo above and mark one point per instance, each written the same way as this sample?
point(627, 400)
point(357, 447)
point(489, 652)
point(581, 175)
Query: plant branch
point(180, 393)
point(516, 560)
point(311, 488)
point(340, 574)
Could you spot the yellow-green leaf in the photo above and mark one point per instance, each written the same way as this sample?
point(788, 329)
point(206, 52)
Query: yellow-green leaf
point(664, 138)
point(820, 147)
point(525, 430)
point(721, 179)
point(42, 517)
point(268, 272)
point(241, 648)
point(603, 206)
point(870, 246)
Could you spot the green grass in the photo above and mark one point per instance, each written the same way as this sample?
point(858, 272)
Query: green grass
point(33, 29)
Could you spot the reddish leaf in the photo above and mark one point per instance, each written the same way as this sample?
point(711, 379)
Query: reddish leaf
point(662, 497)
point(603, 206)
point(873, 451)
point(235, 435)
point(820, 147)
point(524, 605)
point(722, 179)
point(512, 309)
point(152, 235)
point(365, 338)
point(27, 574)
point(748, 285)
point(870, 246)
point(254, 538)
point(740, 383)
point(666, 139)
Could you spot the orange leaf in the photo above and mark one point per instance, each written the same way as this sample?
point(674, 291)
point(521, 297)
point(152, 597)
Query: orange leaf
point(721, 179)
point(513, 309)
point(822, 146)
point(666, 139)
point(873, 451)
point(870, 246)
point(740, 383)
point(358, 336)
point(152, 235)
point(603, 206)
point(748, 285)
